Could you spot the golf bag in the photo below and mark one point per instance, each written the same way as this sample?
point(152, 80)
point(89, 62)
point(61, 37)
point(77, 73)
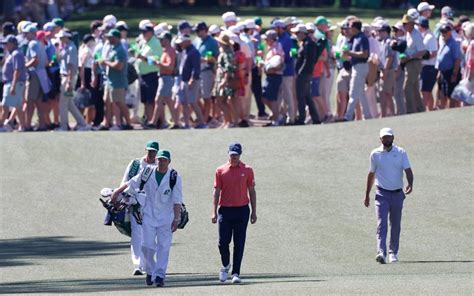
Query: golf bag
point(119, 216)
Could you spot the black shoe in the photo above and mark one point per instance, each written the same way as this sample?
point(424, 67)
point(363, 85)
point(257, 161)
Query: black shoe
point(159, 282)
point(174, 126)
point(244, 123)
point(127, 127)
point(138, 271)
point(28, 129)
point(42, 129)
point(148, 280)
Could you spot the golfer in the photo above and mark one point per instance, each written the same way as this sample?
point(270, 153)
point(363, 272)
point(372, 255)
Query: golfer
point(133, 168)
point(234, 183)
point(161, 215)
point(387, 164)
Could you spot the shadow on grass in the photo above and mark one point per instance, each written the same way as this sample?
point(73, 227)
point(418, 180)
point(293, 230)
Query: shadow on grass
point(17, 252)
point(438, 261)
point(129, 284)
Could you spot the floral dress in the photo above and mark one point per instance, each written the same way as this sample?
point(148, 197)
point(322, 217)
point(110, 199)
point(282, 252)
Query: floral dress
point(225, 64)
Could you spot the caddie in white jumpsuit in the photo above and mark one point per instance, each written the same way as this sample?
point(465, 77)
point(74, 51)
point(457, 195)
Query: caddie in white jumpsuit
point(133, 168)
point(161, 215)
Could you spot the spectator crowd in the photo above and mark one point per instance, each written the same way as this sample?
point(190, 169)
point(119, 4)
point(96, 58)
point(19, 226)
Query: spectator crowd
point(210, 76)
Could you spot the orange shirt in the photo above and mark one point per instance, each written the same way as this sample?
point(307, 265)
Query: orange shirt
point(168, 57)
point(234, 183)
point(318, 67)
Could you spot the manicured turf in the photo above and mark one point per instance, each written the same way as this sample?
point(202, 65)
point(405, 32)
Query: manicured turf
point(313, 236)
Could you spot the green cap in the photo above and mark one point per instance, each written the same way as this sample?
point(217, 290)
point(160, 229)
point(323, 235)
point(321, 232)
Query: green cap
point(321, 20)
point(113, 33)
point(164, 154)
point(152, 145)
point(58, 22)
point(258, 20)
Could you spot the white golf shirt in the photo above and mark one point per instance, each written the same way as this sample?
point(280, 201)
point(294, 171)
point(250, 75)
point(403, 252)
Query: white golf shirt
point(388, 167)
point(143, 164)
point(159, 201)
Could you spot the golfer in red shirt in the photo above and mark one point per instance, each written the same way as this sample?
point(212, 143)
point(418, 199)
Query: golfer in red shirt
point(233, 185)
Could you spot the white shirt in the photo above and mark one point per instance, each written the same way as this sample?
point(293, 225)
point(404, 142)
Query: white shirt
point(143, 164)
point(431, 45)
point(414, 42)
point(388, 167)
point(158, 208)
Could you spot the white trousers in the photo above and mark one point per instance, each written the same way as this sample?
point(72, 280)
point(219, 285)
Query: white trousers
point(156, 243)
point(357, 91)
point(286, 95)
point(66, 105)
point(136, 244)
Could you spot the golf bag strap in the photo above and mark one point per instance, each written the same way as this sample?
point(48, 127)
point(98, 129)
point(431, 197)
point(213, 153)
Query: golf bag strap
point(134, 168)
point(147, 172)
point(173, 178)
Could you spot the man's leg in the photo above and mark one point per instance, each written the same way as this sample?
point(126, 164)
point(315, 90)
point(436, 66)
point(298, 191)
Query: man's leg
point(63, 107)
point(409, 87)
point(287, 93)
point(149, 248)
point(257, 91)
point(396, 206)
point(163, 238)
point(399, 93)
point(225, 235)
point(136, 244)
point(240, 232)
point(382, 207)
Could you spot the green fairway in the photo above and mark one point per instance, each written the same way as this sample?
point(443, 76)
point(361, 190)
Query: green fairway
point(313, 235)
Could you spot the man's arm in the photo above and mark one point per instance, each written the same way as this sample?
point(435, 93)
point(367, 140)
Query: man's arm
point(215, 202)
point(409, 174)
point(117, 65)
point(370, 182)
point(253, 204)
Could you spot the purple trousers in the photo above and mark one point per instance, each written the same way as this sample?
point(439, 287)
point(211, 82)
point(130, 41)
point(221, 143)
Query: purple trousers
point(388, 205)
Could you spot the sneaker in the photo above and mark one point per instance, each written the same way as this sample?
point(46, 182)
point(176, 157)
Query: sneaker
point(201, 126)
point(174, 126)
point(115, 128)
point(244, 123)
point(149, 126)
point(159, 282)
point(127, 127)
point(2, 129)
point(224, 273)
point(392, 258)
point(138, 271)
point(100, 127)
point(83, 128)
point(148, 280)
point(380, 258)
point(60, 129)
point(236, 279)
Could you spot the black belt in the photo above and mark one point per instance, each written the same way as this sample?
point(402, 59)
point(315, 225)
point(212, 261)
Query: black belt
point(397, 190)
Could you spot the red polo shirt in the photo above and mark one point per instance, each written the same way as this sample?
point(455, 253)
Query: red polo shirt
point(234, 183)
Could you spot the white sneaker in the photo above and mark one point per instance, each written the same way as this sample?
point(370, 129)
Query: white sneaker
point(224, 273)
point(380, 258)
point(7, 126)
point(393, 258)
point(236, 279)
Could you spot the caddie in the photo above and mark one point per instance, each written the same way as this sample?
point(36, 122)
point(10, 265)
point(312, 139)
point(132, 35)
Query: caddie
point(133, 168)
point(161, 210)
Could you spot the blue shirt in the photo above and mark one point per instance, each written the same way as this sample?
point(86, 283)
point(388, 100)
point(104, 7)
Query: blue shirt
point(117, 78)
point(205, 45)
point(447, 55)
point(359, 42)
point(69, 56)
point(190, 64)
point(14, 61)
point(36, 49)
point(287, 43)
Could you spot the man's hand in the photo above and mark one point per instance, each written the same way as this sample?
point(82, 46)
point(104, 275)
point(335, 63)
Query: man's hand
point(12, 90)
point(68, 86)
point(409, 189)
point(253, 218)
point(214, 218)
point(174, 225)
point(367, 201)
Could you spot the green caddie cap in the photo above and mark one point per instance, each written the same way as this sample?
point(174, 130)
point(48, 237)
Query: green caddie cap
point(321, 20)
point(152, 145)
point(164, 154)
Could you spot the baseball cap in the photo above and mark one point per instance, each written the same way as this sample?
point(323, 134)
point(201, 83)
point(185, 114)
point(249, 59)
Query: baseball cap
point(63, 33)
point(250, 24)
point(40, 35)
point(8, 27)
point(272, 34)
point(235, 29)
point(406, 19)
point(10, 39)
point(235, 148)
point(164, 154)
point(230, 16)
point(121, 26)
point(109, 19)
point(399, 26)
point(301, 28)
point(58, 22)
point(113, 33)
point(87, 38)
point(165, 35)
point(181, 38)
point(157, 30)
point(425, 6)
point(214, 29)
point(49, 26)
point(165, 26)
point(258, 20)
point(423, 22)
point(310, 27)
point(152, 145)
point(200, 26)
point(278, 24)
point(413, 14)
point(445, 28)
point(386, 131)
point(183, 25)
point(321, 20)
point(30, 28)
point(145, 25)
point(447, 11)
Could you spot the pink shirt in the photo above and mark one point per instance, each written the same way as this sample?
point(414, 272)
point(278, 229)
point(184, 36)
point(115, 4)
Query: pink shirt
point(234, 183)
point(469, 59)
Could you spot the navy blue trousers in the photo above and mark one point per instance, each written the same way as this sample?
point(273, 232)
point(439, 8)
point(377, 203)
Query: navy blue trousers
point(233, 222)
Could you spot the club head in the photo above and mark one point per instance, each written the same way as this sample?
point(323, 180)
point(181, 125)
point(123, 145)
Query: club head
point(106, 192)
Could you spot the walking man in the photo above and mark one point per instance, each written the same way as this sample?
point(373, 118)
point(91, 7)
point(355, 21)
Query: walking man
point(234, 183)
point(161, 214)
point(387, 164)
point(134, 167)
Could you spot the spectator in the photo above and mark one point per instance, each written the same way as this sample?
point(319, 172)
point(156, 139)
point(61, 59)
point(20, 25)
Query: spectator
point(428, 72)
point(86, 60)
point(388, 65)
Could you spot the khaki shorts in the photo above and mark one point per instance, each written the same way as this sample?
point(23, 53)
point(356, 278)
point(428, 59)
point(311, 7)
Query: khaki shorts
point(33, 88)
point(387, 84)
point(115, 95)
point(343, 80)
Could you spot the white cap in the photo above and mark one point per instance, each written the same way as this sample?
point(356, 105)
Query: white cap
point(164, 27)
point(121, 24)
point(379, 23)
point(234, 37)
point(332, 28)
point(110, 20)
point(214, 29)
point(399, 26)
point(310, 27)
point(425, 6)
point(300, 28)
point(235, 29)
point(144, 25)
point(181, 38)
point(250, 24)
point(413, 14)
point(386, 131)
point(230, 16)
point(63, 33)
point(157, 30)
